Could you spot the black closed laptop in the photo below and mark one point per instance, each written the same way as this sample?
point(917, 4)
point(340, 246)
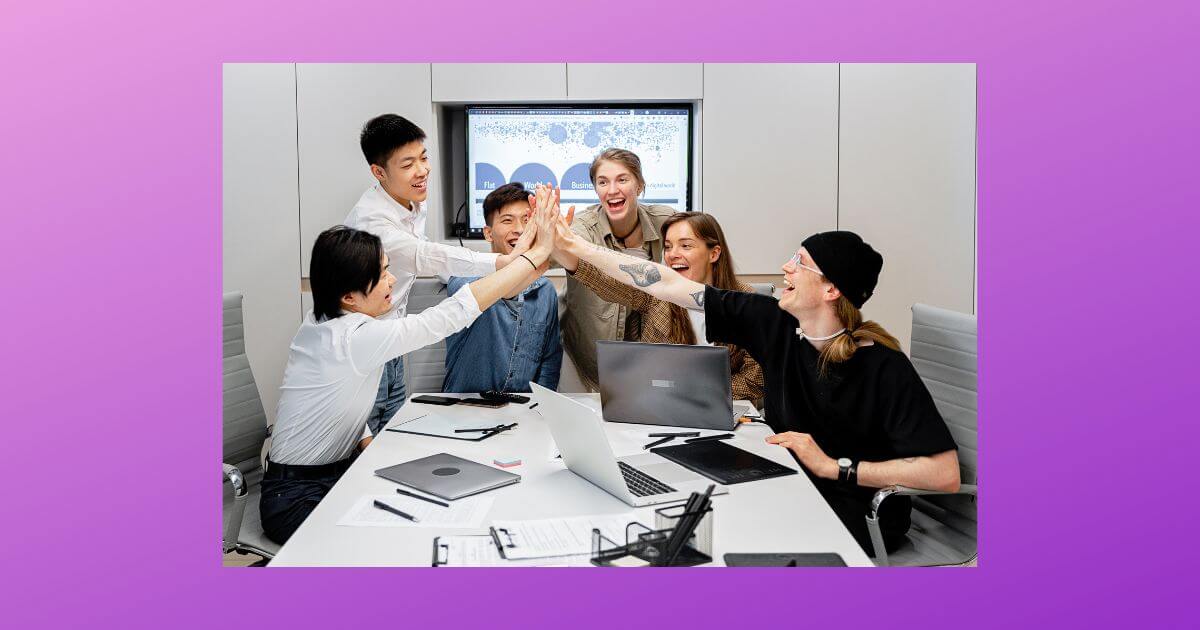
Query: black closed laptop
point(723, 462)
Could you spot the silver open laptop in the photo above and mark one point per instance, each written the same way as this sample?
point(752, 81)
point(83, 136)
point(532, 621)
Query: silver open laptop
point(643, 479)
point(668, 384)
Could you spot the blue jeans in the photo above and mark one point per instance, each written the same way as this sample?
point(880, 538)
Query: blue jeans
point(390, 397)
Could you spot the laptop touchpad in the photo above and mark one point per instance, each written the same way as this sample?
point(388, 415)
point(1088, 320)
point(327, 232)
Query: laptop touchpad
point(664, 471)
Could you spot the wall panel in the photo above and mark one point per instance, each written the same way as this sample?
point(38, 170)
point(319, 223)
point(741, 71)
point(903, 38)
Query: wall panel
point(907, 159)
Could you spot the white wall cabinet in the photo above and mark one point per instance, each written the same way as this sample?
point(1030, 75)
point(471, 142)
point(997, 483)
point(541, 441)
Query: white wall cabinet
point(489, 82)
point(609, 82)
point(907, 183)
point(333, 101)
point(260, 252)
point(770, 157)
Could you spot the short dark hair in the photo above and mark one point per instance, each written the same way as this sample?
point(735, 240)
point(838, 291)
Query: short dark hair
point(382, 135)
point(502, 196)
point(344, 260)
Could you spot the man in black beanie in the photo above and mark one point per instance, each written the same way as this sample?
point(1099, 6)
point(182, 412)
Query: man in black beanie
point(840, 394)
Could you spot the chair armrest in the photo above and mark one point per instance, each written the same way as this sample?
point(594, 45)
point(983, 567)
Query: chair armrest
point(234, 475)
point(233, 519)
point(883, 493)
point(881, 556)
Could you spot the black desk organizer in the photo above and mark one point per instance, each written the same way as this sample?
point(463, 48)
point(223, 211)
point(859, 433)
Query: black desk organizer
point(648, 545)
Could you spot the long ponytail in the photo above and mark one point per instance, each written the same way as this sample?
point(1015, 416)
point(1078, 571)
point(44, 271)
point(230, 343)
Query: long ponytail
point(841, 348)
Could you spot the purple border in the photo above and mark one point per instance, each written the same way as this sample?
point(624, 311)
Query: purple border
point(111, 169)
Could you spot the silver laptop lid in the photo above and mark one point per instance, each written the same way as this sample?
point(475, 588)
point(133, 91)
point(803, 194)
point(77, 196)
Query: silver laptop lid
point(447, 476)
point(581, 441)
point(658, 383)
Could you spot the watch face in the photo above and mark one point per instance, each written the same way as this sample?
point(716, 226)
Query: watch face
point(844, 462)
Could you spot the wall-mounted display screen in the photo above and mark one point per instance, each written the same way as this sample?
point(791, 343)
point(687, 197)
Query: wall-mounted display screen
point(556, 144)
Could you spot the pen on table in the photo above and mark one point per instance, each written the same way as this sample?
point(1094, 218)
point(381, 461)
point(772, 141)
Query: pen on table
point(387, 508)
point(499, 427)
point(663, 440)
point(684, 434)
point(707, 438)
point(534, 405)
point(417, 496)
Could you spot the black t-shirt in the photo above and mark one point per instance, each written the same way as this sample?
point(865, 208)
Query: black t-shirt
point(872, 407)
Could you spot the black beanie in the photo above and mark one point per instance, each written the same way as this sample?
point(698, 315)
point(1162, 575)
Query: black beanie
point(849, 263)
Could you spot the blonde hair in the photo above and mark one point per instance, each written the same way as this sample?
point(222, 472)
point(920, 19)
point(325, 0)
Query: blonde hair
point(841, 348)
point(628, 159)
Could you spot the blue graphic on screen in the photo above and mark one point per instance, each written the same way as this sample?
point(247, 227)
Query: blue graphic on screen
point(557, 145)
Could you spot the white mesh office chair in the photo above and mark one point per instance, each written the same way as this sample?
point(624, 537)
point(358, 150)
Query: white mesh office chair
point(244, 429)
point(944, 352)
point(425, 368)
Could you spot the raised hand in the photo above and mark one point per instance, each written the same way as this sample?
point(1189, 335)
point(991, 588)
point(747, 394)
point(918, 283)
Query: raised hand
point(545, 217)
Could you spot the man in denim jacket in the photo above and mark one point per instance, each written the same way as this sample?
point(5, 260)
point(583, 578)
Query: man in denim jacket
point(516, 341)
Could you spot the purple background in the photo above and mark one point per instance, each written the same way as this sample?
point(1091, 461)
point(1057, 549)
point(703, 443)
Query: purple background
point(111, 188)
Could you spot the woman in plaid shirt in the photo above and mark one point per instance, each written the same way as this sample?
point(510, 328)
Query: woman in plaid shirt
point(694, 246)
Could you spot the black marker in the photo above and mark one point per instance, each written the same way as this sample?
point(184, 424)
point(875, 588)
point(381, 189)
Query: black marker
point(417, 496)
point(709, 438)
point(387, 508)
point(659, 441)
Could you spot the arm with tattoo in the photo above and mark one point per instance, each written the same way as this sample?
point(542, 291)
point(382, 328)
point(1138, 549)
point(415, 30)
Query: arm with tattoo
point(657, 280)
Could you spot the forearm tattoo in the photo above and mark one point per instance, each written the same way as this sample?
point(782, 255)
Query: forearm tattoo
point(699, 297)
point(643, 274)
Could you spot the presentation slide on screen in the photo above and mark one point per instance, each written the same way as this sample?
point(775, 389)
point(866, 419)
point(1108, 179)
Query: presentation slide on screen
point(556, 146)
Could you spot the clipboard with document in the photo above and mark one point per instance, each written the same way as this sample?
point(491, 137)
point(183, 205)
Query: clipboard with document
point(443, 426)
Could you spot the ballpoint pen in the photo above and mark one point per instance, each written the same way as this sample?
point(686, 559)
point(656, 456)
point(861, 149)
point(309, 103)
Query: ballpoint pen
point(708, 438)
point(498, 428)
point(417, 496)
point(387, 508)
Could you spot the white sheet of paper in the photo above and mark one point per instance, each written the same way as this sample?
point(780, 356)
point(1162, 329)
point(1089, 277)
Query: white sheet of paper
point(480, 551)
point(467, 512)
point(552, 537)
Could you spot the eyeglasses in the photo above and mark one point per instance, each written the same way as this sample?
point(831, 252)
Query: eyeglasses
point(795, 262)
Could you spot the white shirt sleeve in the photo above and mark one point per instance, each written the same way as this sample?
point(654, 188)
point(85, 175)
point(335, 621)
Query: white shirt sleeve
point(427, 258)
point(377, 341)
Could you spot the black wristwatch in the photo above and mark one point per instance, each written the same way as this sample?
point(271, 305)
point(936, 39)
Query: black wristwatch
point(847, 471)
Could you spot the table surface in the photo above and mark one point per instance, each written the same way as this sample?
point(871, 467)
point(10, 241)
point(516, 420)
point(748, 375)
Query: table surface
point(784, 514)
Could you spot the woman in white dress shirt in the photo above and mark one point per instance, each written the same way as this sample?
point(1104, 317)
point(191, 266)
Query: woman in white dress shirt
point(338, 355)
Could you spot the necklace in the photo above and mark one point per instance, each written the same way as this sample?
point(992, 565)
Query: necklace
point(800, 331)
point(629, 233)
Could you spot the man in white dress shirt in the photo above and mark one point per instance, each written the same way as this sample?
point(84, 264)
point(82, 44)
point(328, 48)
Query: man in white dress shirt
point(394, 210)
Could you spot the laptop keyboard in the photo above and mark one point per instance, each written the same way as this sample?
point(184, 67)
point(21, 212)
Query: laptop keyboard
point(641, 484)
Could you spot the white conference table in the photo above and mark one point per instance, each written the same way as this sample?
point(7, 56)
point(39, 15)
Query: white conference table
point(783, 514)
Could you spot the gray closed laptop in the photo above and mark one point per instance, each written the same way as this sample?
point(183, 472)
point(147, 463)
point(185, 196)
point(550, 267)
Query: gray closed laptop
point(667, 384)
point(447, 476)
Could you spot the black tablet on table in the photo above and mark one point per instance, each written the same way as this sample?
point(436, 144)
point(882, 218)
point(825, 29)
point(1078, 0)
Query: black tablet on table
point(723, 462)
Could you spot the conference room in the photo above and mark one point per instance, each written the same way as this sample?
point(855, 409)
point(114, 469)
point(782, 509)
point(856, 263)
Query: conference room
point(786, 159)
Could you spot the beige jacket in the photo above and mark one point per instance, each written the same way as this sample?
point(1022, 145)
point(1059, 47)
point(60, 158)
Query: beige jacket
point(587, 318)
